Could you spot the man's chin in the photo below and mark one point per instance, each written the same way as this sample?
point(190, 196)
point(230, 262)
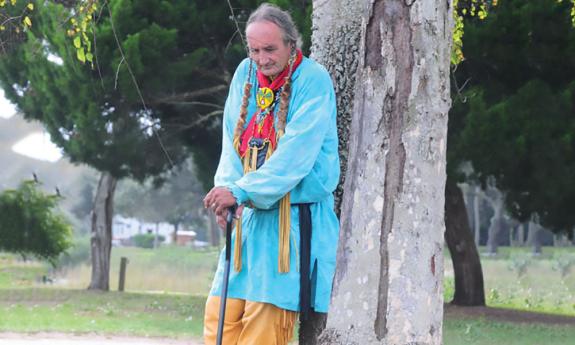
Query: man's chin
point(268, 72)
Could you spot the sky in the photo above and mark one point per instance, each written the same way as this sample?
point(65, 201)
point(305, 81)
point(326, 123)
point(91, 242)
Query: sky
point(7, 109)
point(37, 145)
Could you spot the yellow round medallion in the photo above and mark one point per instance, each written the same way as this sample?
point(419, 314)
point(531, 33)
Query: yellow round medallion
point(265, 97)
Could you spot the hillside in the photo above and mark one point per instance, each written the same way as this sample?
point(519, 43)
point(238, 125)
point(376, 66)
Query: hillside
point(69, 178)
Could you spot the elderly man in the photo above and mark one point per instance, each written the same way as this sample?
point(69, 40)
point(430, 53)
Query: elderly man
point(280, 164)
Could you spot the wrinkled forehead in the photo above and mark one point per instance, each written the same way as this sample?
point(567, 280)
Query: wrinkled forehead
point(263, 34)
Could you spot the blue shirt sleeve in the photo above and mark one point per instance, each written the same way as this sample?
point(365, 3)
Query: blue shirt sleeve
point(311, 116)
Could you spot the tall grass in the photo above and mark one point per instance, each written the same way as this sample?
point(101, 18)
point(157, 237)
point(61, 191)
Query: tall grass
point(513, 278)
point(516, 279)
point(166, 269)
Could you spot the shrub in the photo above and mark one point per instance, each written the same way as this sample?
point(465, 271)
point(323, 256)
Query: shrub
point(30, 224)
point(146, 240)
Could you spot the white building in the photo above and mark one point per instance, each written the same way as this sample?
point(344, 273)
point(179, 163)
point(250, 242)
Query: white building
point(123, 228)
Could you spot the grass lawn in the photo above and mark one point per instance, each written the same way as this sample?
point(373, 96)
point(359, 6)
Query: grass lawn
point(81, 311)
point(485, 332)
point(177, 316)
point(27, 305)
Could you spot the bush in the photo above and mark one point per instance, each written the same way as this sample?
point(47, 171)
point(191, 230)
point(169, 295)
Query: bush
point(78, 253)
point(30, 224)
point(146, 240)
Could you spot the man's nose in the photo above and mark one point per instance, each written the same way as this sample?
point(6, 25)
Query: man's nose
point(264, 58)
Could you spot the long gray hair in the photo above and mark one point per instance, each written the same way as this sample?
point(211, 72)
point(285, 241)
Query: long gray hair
point(271, 13)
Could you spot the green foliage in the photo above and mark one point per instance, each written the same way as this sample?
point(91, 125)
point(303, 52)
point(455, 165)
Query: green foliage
point(19, 22)
point(146, 240)
point(79, 253)
point(514, 119)
point(30, 225)
point(145, 101)
point(470, 9)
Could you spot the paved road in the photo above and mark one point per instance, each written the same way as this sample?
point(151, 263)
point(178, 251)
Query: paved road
point(67, 339)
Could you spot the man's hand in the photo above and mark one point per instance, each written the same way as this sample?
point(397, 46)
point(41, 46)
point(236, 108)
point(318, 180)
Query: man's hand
point(221, 220)
point(219, 199)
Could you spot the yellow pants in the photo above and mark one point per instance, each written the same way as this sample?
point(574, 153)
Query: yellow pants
point(248, 323)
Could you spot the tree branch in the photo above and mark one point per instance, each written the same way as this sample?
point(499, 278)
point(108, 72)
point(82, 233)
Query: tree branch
point(187, 96)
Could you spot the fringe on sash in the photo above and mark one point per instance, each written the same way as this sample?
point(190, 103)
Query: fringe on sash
point(238, 246)
point(250, 160)
point(284, 227)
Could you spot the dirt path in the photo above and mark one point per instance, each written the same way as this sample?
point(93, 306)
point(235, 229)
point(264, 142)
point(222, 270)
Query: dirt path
point(507, 315)
point(85, 339)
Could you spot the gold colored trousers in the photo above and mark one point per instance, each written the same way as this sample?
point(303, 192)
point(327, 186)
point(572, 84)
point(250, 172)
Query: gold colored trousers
point(248, 323)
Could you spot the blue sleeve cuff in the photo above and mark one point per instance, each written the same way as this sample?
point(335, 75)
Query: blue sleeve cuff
point(240, 195)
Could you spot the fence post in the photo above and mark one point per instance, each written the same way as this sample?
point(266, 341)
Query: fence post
point(122, 280)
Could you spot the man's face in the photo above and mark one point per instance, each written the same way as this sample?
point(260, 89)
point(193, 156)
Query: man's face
point(267, 48)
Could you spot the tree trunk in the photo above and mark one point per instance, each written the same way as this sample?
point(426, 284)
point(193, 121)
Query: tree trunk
point(175, 233)
point(213, 230)
point(534, 237)
point(476, 218)
point(156, 234)
point(521, 234)
point(310, 331)
point(469, 290)
point(560, 240)
point(388, 287)
point(101, 239)
point(336, 46)
point(496, 226)
point(468, 201)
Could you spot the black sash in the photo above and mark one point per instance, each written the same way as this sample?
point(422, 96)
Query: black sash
point(305, 260)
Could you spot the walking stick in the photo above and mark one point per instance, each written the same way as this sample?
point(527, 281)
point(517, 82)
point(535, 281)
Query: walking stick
point(229, 220)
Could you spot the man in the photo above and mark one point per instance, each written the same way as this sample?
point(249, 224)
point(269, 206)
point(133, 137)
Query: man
point(280, 164)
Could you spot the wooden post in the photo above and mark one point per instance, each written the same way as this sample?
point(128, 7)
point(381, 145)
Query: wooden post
point(122, 281)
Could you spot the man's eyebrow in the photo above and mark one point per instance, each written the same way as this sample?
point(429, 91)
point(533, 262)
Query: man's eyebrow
point(268, 47)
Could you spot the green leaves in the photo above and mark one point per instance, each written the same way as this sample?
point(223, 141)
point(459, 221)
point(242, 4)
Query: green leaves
point(514, 119)
point(30, 224)
point(466, 8)
point(77, 42)
point(81, 29)
point(81, 55)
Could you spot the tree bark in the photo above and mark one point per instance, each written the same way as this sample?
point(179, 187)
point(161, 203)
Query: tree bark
point(469, 289)
point(534, 237)
point(175, 233)
point(335, 44)
point(468, 201)
point(476, 218)
point(156, 235)
point(388, 287)
point(521, 234)
point(497, 223)
point(213, 229)
point(101, 238)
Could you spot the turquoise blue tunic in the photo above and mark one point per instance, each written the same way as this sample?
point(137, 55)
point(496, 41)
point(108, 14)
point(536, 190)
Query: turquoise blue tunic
point(305, 163)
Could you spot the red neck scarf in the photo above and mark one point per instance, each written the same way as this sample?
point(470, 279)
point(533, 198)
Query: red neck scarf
point(265, 129)
point(279, 80)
